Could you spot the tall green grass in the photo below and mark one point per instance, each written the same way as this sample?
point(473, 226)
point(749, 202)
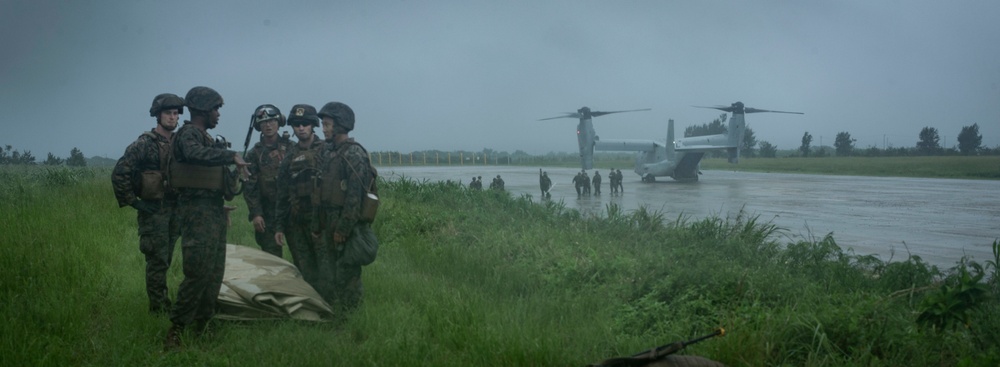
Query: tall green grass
point(483, 278)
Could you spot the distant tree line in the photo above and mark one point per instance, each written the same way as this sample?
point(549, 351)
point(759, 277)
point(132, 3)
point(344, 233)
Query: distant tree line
point(928, 143)
point(970, 142)
point(10, 156)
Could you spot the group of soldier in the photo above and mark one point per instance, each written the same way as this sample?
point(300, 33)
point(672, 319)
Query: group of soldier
point(583, 183)
point(496, 184)
point(315, 195)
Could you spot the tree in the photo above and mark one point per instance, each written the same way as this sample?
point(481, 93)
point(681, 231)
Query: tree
point(970, 140)
point(11, 156)
point(929, 143)
point(806, 141)
point(715, 127)
point(767, 150)
point(749, 143)
point(52, 160)
point(844, 144)
point(76, 158)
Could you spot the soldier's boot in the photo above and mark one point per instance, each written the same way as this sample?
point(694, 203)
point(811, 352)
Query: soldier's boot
point(351, 299)
point(173, 340)
point(160, 307)
point(201, 330)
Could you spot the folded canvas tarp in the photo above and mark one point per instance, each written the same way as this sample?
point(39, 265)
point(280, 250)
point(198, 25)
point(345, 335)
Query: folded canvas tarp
point(258, 285)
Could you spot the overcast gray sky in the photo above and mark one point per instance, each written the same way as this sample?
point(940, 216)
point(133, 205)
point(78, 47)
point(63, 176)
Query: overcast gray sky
point(469, 75)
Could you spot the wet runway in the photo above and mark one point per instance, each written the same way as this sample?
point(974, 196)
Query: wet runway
point(940, 220)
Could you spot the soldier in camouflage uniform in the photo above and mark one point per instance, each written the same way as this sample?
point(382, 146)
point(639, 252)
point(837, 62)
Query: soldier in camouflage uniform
point(348, 177)
point(138, 180)
point(198, 172)
point(261, 191)
point(597, 182)
point(545, 183)
point(612, 179)
point(618, 179)
point(298, 178)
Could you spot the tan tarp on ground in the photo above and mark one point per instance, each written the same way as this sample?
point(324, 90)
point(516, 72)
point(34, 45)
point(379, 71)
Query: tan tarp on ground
point(258, 285)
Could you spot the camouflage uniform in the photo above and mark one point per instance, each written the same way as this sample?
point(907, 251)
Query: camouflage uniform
point(348, 178)
point(618, 179)
point(597, 183)
point(578, 183)
point(544, 182)
point(158, 231)
point(350, 162)
point(203, 229)
point(261, 191)
point(297, 180)
point(613, 181)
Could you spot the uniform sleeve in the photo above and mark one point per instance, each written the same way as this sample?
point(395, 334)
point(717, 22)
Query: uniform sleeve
point(192, 149)
point(122, 177)
point(360, 178)
point(283, 205)
point(251, 190)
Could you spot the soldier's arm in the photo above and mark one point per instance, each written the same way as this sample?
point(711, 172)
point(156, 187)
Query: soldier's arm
point(251, 191)
point(282, 206)
point(192, 150)
point(357, 187)
point(124, 172)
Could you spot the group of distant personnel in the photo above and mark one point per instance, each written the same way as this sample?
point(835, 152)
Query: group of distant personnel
point(318, 196)
point(496, 184)
point(583, 183)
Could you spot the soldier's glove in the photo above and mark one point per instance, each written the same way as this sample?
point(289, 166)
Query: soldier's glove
point(145, 206)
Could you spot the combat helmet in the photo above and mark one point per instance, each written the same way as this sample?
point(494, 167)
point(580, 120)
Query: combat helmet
point(342, 115)
point(166, 101)
point(302, 114)
point(267, 112)
point(203, 99)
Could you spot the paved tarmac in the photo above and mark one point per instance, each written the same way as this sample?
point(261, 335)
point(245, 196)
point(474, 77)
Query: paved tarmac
point(940, 220)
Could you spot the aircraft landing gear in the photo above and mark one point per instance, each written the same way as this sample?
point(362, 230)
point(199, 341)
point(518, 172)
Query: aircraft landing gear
point(648, 178)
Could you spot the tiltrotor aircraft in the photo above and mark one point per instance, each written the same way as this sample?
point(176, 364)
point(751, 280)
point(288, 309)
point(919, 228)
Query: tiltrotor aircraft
point(679, 159)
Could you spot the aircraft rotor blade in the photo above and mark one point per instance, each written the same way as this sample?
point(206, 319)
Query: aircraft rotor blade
point(753, 110)
point(574, 115)
point(721, 108)
point(602, 113)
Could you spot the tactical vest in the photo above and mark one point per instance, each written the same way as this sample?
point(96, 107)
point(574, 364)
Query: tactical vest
point(192, 176)
point(334, 185)
point(152, 184)
point(267, 179)
point(304, 171)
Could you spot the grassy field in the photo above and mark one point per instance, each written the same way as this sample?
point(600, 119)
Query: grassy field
point(479, 278)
